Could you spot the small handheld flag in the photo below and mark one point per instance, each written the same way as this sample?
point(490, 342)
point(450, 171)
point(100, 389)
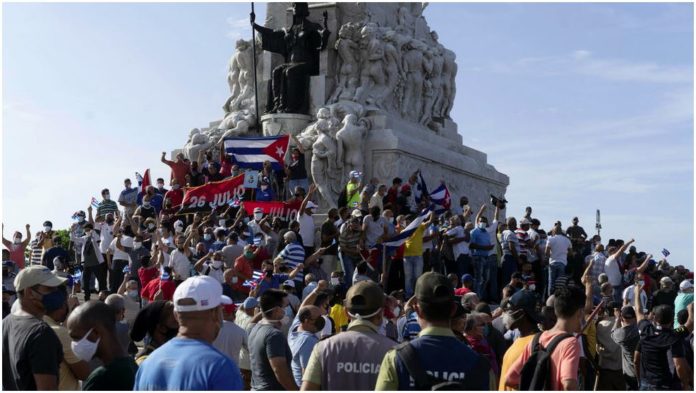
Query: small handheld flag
point(94, 203)
point(665, 252)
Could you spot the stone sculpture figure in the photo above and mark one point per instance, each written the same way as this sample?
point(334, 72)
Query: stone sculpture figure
point(449, 74)
point(437, 81)
point(372, 86)
point(351, 141)
point(240, 78)
point(348, 72)
point(199, 142)
point(393, 71)
point(300, 45)
point(413, 65)
point(237, 123)
point(324, 167)
point(310, 134)
point(428, 88)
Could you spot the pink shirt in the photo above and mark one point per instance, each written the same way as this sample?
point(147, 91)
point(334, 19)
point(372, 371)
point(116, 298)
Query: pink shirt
point(564, 361)
point(16, 254)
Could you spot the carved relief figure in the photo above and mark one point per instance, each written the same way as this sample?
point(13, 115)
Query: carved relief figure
point(413, 65)
point(240, 78)
point(348, 72)
point(372, 78)
point(351, 140)
point(324, 168)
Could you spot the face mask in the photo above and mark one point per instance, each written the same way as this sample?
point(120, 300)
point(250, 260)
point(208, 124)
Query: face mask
point(160, 185)
point(80, 219)
point(396, 311)
point(53, 301)
point(264, 188)
point(246, 220)
point(286, 320)
point(150, 226)
point(107, 196)
point(235, 279)
point(137, 244)
point(207, 236)
point(146, 204)
point(482, 225)
point(85, 349)
point(47, 228)
point(258, 216)
point(335, 281)
point(17, 240)
point(133, 294)
point(217, 264)
point(248, 255)
point(532, 287)
point(319, 324)
point(178, 229)
point(176, 187)
point(222, 222)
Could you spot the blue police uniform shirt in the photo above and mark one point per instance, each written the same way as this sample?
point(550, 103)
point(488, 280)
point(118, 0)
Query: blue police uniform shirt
point(461, 364)
point(481, 238)
point(188, 364)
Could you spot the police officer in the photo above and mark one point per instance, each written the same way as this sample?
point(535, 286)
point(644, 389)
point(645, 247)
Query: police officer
point(435, 308)
point(351, 360)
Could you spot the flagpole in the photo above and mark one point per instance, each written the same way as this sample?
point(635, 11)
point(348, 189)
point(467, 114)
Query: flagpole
point(253, 48)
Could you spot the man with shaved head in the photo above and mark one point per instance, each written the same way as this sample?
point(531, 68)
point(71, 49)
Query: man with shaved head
point(302, 338)
point(189, 361)
point(92, 327)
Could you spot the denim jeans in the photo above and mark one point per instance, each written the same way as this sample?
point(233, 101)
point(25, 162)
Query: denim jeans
point(348, 265)
point(509, 267)
point(556, 270)
point(413, 268)
point(482, 274)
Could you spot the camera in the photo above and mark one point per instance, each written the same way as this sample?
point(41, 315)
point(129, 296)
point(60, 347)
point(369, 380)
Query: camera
point(498, 202)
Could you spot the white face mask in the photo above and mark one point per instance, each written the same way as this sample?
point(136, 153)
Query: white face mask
point(178, 229)
point(217, 264)
point(396, 311)
point(207, 236)
point(482, 225)
point(258, 216)
point(133, 294)
point(221, 222)
point(137, 244)
point(235, 279)
point(47, 228)
point(17, 240)
point(107, 196)
point(175, 187)
point(85, 349)
point(335, 281)
point(146, 204)
point(150, 226)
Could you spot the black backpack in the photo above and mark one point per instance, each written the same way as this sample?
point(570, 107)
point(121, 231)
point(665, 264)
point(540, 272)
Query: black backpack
point(537, 369)
point(424, 381)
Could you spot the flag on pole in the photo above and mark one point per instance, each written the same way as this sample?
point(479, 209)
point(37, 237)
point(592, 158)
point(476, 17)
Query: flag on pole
point(256, 276)
point(401, 238)
point(94, 202)
point(665, 252)
point(143, 183)
point(252, 152)
point(421, 188)
point(440, 198)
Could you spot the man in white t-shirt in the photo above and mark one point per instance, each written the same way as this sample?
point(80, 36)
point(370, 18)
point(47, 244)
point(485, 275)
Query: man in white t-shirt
point(118, 258)
point(459, 238)
point(304, 217)
point(612, 270)
point(557, 248)
point(374, 227)
point(629, 294)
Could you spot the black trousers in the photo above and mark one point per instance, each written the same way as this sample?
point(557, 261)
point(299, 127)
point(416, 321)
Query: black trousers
point(116, 274)
point(99, 271)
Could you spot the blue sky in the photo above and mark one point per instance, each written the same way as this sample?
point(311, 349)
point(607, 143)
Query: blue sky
point(584, 106)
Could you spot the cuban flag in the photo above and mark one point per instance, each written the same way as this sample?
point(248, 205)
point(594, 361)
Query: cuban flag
point(256, 276)
point(401, 238)
point(420, 189)
point(94, 203)
point(252, 152)
point(143, 183)
point(440, 198)
point(665, 252)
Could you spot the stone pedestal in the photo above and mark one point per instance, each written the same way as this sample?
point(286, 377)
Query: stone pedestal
point(284, 123)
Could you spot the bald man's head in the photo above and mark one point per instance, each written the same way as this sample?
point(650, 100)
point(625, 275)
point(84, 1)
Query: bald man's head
point(91, 315)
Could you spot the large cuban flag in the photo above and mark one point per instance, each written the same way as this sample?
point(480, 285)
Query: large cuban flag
point(401, 238)
point(440, 197)
point(252, 152)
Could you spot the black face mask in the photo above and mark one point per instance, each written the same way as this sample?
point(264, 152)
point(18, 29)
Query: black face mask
point(110, 221)
point(320, 323)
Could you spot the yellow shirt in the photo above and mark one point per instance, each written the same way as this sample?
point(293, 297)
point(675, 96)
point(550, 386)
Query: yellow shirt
point(414, 244)
point(66, 379)
point(514, 352)
point(355, 199)
point(339, 316)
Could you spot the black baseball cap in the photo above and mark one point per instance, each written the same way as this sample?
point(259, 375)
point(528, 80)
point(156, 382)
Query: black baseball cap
point(526, 300)
point(434, 287)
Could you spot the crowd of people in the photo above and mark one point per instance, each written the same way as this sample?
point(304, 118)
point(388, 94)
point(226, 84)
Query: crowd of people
point(385, 293)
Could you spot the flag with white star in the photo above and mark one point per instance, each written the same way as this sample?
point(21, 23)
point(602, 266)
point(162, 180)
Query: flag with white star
point(252, 152)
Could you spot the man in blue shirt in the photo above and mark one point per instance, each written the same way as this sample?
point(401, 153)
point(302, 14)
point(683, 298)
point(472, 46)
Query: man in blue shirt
point(189, 361)
point(302, 338)
point(480, 245)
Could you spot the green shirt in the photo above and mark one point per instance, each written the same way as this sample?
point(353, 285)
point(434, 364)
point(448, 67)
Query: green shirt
point(118, 375)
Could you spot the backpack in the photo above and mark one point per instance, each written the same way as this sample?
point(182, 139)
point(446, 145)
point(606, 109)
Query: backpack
point(423, 380)
point(537, 369)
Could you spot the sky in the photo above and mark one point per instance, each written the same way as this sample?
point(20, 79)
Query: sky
point(583, 106)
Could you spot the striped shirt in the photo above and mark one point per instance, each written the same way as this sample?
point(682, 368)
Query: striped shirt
point(105, 207)
point(293, 254)
point(36, 252)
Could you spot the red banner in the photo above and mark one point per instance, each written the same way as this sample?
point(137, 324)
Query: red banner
point(286, 211)
point(212, 195)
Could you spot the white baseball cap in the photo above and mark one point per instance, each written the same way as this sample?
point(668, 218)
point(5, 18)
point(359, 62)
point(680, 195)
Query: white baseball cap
point(686, 284)
point(204, 291)
point(666, 280)
point(289, 283)
point(310, 205)
point(39, 275)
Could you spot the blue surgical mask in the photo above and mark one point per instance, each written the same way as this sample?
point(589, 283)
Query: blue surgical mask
point(53, 301)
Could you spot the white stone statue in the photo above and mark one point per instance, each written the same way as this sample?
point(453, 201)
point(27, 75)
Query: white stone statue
point(351, 143)
point(199, 142)
point(310, 134)
point(240, 78)
point(414, 67)
point(393, 71)
point(428, 88)
point(449, 74)
point(437, 81)
point(325, 170)
point(372, 80)
point(348, 72)
point(237, 123)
